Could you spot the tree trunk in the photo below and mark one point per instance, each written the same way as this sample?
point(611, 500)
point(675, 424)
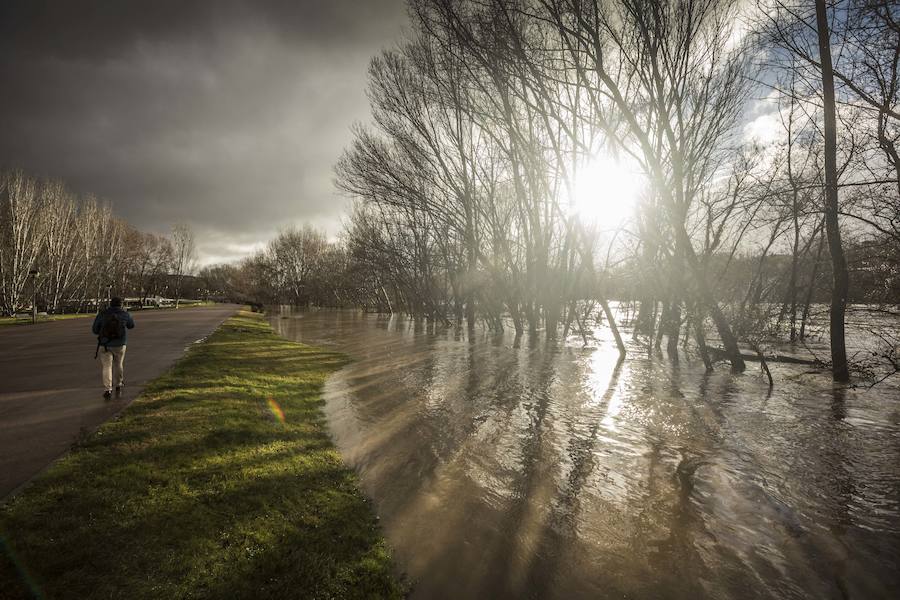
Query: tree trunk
point(700, 336)
point(388, 300)
point(729, 341)
point(612, 325)
point(810, 290)
point(840, 277)
point(674, 327)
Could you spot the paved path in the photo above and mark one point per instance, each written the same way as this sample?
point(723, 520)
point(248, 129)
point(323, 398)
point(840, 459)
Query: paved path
point(50, 383)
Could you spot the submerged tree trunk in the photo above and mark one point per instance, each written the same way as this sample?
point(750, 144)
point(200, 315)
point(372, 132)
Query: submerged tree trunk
point(700, 336)
point(674, 328)
point(663, 324)
point(388, 300)
point(729, 341)
point(612, 325)
point(840, 277)
point(811, 289)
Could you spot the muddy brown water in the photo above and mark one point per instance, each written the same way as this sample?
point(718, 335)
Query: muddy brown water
point(513, 468)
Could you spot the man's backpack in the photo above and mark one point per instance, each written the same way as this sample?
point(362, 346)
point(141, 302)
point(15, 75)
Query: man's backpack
point(112, 327)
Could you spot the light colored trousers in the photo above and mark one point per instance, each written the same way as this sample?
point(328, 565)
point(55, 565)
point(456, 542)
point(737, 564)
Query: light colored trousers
point(112, 364)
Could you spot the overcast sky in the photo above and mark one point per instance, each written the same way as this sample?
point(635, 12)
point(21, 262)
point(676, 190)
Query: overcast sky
point(225, 114)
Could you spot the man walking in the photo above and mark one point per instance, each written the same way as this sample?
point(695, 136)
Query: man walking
point(110, 327)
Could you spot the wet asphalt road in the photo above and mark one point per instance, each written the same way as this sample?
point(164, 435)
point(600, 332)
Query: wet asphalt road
point(50, 387)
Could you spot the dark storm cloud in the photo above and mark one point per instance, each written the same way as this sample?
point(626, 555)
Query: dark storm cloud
point(225, 114)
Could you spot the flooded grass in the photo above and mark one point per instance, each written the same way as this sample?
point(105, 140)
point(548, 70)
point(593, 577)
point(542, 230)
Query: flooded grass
point(220, 481)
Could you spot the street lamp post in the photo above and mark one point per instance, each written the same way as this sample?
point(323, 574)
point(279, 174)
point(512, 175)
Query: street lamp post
point(34, 273)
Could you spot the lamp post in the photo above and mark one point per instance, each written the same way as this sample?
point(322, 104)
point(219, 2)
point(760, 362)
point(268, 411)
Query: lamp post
point(34, 273)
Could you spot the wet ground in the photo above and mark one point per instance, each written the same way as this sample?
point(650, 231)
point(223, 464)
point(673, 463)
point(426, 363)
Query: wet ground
point(505, 468)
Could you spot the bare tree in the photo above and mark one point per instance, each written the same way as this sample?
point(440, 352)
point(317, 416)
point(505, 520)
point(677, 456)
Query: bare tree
point(184, 256)
point(840, 277)
point(61, 260)
point(21, 236)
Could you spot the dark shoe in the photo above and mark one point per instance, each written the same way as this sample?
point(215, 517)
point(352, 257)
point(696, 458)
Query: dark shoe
point(107, 394)
point(118, 391)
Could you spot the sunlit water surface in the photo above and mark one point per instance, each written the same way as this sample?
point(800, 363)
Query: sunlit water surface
point(504, 468)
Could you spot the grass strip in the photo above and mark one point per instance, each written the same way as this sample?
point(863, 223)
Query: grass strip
point(17, 321)
point(14, 321)
point(220, 481)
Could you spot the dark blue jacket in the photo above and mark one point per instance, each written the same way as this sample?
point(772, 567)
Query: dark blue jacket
point(123, 314)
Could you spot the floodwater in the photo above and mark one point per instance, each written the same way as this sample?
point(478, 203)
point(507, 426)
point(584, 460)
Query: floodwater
point(504, 468)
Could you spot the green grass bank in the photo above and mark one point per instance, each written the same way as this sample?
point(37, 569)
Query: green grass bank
point(220, 481)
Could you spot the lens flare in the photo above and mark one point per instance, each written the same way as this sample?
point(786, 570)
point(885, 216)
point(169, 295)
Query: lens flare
point(275, 409)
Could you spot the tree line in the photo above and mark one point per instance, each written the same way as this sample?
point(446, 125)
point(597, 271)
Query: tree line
point(485, 116)
point(70, 253)
point(299, 267)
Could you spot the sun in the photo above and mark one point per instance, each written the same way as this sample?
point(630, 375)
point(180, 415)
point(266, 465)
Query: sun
point(606, 191)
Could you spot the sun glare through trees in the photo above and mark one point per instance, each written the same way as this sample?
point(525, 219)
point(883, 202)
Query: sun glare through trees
point(606, 191)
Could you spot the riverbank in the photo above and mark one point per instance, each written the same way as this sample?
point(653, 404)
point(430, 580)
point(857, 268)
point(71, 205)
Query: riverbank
point(219, 481)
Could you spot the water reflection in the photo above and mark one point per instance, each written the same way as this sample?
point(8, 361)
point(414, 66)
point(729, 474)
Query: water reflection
point(509, 468)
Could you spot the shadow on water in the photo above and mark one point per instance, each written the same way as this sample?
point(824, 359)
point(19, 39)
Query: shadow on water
point(506, 467)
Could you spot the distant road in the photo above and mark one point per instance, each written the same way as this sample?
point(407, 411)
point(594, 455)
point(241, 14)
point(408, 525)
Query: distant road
point(50, 385)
